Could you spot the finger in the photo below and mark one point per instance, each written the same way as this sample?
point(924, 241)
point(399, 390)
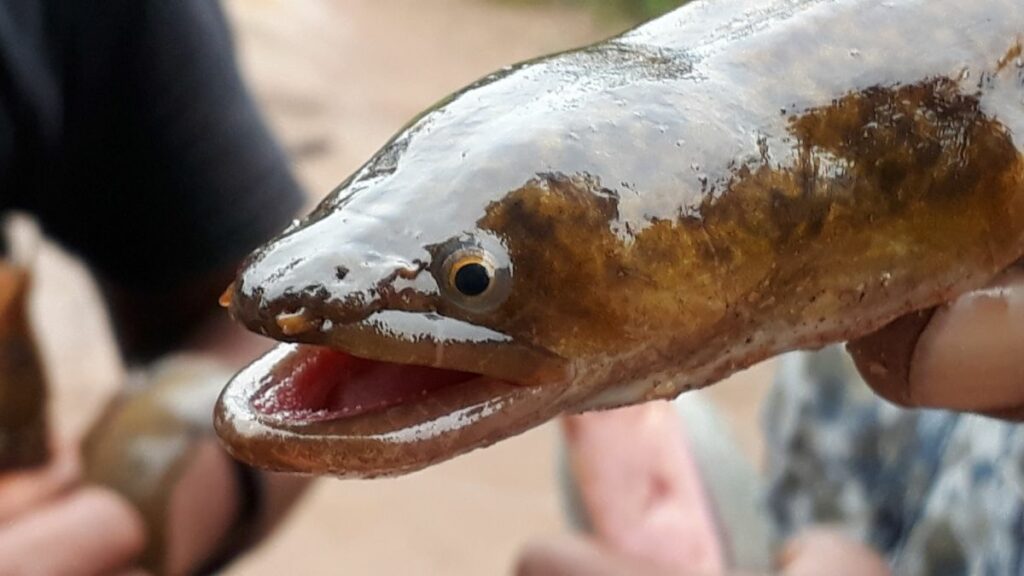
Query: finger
point(574, 556)
point(967, 356)
point(203, 507)
point(24, 490)
point(641, 487)
point(971, 355)
point(825, 551)
point(883, 358)
point(91, 531)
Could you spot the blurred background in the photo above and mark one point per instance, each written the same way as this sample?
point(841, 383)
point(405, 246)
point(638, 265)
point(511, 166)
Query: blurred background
point(336, 78)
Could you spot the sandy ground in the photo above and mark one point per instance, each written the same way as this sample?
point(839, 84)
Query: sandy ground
point(337, 78)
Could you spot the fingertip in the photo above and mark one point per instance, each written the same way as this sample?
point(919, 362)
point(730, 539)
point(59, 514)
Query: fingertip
point(969, 356)
point(642, 489)
point(964, 356)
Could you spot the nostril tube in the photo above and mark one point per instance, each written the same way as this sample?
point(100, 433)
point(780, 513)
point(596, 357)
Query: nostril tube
point(227, 296)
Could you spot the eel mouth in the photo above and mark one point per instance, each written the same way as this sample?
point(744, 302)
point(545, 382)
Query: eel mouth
point(365, 403)
point(319, 384)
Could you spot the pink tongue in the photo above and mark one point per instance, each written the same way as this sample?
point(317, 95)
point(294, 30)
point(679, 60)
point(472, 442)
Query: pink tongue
point(314, 384)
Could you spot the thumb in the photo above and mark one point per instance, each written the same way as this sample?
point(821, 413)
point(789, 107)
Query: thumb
point(963, 356)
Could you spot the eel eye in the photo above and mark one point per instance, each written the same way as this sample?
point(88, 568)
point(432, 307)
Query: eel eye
point(475, 275)
point(471, 276)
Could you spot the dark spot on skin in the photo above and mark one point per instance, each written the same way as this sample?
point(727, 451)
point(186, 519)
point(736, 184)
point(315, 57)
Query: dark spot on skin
point(910, 143)
point(340, 272)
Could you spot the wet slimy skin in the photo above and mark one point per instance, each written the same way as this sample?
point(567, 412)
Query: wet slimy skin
point(635, 219)
point(23, 432)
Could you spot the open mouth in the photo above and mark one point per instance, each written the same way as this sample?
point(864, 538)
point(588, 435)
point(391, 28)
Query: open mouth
point(366, 403)
point(318, 384)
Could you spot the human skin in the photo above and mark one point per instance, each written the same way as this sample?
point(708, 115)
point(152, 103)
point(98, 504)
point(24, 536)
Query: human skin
point(817, 552)
point(39, 508)
point(964, 356)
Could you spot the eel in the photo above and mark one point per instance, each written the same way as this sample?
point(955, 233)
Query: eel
point(24, 438)
point(635, 219)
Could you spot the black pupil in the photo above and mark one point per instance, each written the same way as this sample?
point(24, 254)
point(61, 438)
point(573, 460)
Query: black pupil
point(472, 279)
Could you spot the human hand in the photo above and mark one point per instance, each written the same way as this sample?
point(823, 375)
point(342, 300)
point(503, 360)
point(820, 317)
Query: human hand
point(51, 524)
point(650, 514)
point(967, 355)
point(155, 488)
point(150, 486)
point(817, 552)
point(640, 486)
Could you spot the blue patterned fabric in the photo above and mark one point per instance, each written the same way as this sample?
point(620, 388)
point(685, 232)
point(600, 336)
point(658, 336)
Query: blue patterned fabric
point(937, 492)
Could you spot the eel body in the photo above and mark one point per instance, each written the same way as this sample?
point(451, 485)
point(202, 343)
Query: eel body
point(635, 219)
point(24, 442)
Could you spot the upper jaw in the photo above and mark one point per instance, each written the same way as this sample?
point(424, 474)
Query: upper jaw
point(332, 266)
point(400, 336)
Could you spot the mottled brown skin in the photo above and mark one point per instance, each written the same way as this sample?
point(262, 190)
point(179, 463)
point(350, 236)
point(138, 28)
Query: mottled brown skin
point(876, 181)
point(735, 180)
point(884, 357)
point(23, 434)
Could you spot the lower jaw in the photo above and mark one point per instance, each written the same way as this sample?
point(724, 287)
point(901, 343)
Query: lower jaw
point(466, 412)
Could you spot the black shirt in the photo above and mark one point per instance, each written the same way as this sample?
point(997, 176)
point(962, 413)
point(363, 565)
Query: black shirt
point(126, 130)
